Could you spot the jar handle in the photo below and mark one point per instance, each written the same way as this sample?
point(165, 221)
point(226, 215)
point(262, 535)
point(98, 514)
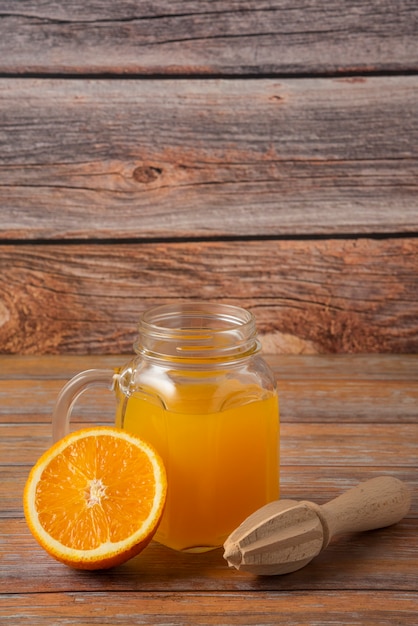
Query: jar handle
point(71, 391)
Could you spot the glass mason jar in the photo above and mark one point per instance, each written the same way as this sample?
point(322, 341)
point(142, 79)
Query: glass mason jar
point(200, 393)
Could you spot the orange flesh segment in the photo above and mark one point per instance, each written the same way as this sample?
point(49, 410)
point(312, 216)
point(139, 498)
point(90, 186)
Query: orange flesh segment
point(98, 490)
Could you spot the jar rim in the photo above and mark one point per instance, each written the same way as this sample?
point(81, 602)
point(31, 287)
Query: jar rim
point(197, 329)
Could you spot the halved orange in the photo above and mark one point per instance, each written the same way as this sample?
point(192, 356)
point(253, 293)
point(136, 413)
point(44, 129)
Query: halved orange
point(95, 498)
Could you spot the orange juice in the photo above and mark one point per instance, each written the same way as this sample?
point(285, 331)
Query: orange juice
point(220, 450)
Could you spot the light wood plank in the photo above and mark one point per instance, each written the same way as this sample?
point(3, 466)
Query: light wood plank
point(287, 367)
point(349, 445)
point(386, 557)
point(350, 401)
point(316, 444)
point(186, 36)
point(331, 367)
point(307, 296)
point(34, 401)
point(14, 367)
point(296, 483)
point(307, 400)
point(208, 158)
point(192, 607)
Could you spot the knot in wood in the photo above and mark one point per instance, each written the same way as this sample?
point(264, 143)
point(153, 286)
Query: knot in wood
point(146, 173)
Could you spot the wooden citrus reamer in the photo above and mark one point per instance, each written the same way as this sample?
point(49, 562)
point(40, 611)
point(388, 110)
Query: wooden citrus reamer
point(286, 535)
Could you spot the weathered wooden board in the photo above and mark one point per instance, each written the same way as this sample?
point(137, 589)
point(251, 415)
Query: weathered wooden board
point(307, 296)
point(220, 36)
point(322, 609)
point(365, 368)
point(208, 158)
point(301, 400)
point(296, 483)
point(317, 396)
point(314, 444)
point(386, 557)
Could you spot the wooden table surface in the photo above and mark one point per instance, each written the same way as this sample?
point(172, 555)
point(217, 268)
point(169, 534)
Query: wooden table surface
point(344, 419)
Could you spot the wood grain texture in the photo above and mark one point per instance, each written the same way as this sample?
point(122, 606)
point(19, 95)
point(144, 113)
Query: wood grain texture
point(208, 37)
point(307, 400)
point(203, 609)
point(328, 388)
point(208, 158)
point(315, 444)
point(307, 296)
point(384, 557)
point(338, 368)
point(296, 483)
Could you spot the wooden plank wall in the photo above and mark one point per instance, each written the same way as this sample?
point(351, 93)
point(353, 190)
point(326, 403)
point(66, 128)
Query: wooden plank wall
point(261, 152)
